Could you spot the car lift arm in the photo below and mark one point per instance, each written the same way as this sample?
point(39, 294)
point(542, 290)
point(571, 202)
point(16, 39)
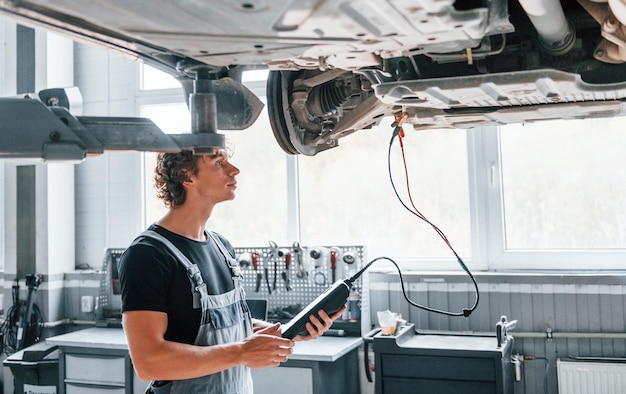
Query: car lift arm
point(43, 128)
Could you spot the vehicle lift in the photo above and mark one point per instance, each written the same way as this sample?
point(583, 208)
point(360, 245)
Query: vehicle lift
point(47, 126)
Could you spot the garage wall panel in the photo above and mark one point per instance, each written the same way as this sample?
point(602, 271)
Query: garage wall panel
point(108, 187)
point(558, 315)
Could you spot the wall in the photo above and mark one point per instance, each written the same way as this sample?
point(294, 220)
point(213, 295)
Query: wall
point(108, 187)
point(571, 308)
point(37, 199)
point(80, 210)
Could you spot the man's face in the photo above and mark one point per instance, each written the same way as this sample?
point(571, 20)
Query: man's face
point(215, 178)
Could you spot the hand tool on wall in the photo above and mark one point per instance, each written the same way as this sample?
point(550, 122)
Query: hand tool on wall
point(274, 257)
point(244, 259)
point(351, 262)
point(285, 273)
point(267, 278)
point(349, 258)
point(318, 255)
point(333, 264)
point(254, 256)
point(267, 259)
point(319, 278)
point(297, 252)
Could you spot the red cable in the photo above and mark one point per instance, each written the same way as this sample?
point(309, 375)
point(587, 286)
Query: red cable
point(408, 188)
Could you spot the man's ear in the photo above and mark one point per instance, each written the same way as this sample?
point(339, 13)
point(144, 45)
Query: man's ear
point(189, 176)
point(188, 179)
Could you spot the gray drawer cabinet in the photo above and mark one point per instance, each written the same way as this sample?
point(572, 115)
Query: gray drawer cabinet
point(84, 370)
point(325, 365)
point(96, 361)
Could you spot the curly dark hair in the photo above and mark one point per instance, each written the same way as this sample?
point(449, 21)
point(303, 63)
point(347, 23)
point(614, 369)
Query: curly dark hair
point(171, 171)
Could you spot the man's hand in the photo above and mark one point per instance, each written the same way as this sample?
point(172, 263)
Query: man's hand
point(317, 327)
point(266, 348)
point(261, 324)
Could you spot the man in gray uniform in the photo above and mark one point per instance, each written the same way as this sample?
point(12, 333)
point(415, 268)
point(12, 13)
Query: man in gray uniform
point(184, 311)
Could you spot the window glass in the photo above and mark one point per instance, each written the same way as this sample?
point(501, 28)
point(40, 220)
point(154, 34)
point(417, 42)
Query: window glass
point(564, 184)
point(347, 198)
point(172, 119)
point(152, 79)
point(562, 188)
point(254, 75)
point(258, 213)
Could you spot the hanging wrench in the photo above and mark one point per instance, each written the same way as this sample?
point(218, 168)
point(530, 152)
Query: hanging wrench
point(298, 255)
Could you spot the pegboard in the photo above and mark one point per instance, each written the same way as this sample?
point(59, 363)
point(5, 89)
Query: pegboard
point(110, 299)
point(307, 278)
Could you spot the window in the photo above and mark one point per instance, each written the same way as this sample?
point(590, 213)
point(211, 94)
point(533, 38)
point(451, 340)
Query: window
point(258, 212)
point(561, 195)
point(172, 119)
point(534, 196)
point(347, 197)
point(153, 79)
point(564, 185)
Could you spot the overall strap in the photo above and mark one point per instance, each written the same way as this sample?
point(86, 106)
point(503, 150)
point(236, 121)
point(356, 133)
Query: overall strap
point(192, 269)
point(230, 260)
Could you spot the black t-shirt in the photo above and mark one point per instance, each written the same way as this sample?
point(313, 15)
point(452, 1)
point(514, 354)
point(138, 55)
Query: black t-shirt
point(152, 279)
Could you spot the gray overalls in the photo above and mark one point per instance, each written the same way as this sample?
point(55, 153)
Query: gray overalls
point(225, 318)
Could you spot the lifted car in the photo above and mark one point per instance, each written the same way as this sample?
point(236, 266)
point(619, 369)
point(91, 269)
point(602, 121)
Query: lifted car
point(337, 67)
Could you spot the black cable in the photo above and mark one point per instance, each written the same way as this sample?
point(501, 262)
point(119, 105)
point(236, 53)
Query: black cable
point(465, 312)
point(10, 325)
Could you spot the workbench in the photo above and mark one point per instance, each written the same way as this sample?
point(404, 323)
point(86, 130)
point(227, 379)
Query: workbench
point(97, 359)
point(325, 365)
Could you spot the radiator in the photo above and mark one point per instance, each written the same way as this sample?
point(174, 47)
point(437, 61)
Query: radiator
point(582, 377)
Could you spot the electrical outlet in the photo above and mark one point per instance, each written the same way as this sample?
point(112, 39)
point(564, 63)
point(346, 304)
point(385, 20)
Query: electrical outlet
point(86, 304)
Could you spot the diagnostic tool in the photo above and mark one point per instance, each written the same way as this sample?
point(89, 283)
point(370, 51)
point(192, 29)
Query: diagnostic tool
point(330, 301)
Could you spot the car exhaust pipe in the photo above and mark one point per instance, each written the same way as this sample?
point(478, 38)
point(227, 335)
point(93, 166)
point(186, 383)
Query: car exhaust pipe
point(556, 34)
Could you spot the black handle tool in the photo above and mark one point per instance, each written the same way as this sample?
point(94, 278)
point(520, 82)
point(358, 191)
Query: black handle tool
point(267, 280)
point(274, 257)
point(254, 256)
point(285, 273)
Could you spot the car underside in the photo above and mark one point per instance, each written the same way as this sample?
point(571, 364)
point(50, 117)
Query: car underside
point(337, 67)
